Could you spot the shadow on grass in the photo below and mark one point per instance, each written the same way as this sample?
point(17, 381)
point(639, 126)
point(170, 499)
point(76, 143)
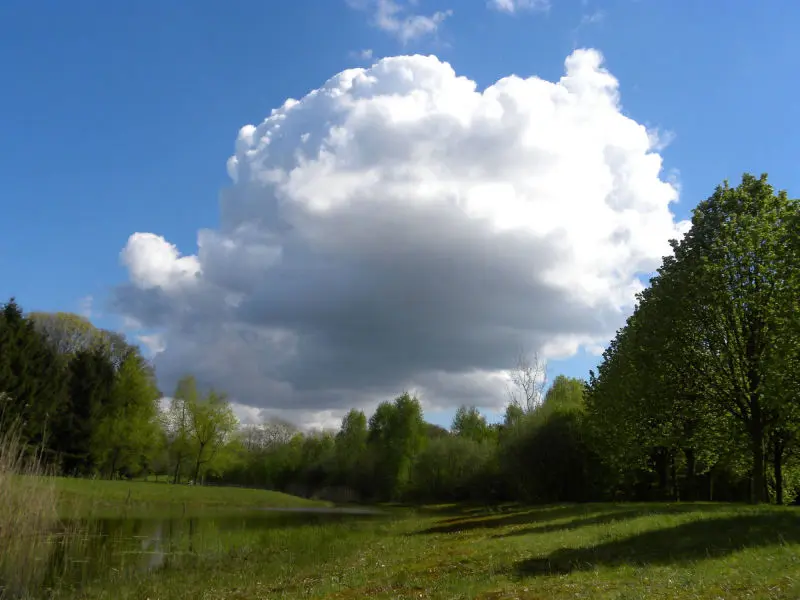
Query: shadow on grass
point(463, 510)
point(694, 540)
point(580, 515)
point(615, 514)
point(488, 520)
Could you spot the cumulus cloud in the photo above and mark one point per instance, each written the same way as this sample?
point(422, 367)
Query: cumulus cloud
point(514, 6)
point(400, 229)
point(398, 20)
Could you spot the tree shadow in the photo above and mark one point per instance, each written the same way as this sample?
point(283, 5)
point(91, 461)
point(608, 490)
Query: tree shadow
point(613, 515)
point(687, 542)
point(517, 517)
point(462, 510)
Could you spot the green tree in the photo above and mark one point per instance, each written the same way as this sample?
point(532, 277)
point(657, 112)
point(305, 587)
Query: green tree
point(729, 276)
point(547, 455)
point(469, 423)
point(212, 424)
point(127, 431)
point(396, 435)
point(31, 374)
point(565, 392)
point(91, 388)
point(647, 408)
point(177, 424)
point(452, 468)
point(697, 357)
point(351, 449)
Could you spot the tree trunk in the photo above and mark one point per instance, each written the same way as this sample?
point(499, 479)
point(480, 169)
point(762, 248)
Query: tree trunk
point(690, 491)
point(711, 486)
point(757, 442)
point(676, 495)
point(777, 466)
point(113, 466)
point(176, 478)
point(662, 469)
point(197, 464)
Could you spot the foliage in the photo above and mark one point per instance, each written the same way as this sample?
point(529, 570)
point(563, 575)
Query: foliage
point(696, 363)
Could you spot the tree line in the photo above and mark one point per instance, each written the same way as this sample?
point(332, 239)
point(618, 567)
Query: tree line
point(696, 398)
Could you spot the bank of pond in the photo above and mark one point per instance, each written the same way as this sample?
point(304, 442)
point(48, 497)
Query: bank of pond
point(149, 546)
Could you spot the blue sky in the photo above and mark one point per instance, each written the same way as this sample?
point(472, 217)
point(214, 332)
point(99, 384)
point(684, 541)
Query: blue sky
point(119, 117)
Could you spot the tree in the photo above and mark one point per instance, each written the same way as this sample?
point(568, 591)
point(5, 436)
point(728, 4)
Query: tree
point(351, 449)
point(32, 374)
point(127, 428)
point(469, 423)
point(452, 468)
point(211, 424)
point(528, 381)
point(565, 392)
point(177, 423)
point(697, 356)
point(727, 279)
point(67, 333)
point(91, 387)
point(396, 435)
point(646, 407)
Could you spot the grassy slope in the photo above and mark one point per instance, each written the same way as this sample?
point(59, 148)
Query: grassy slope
point(84, 496)
point(657, 551)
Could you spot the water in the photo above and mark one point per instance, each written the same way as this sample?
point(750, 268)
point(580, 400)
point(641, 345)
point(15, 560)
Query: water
point(134, 545)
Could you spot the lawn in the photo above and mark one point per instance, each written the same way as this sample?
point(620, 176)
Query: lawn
point(85, 497)
point(603, 551)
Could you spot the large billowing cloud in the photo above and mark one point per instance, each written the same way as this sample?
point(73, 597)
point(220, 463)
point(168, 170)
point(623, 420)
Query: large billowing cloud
point(399, 229)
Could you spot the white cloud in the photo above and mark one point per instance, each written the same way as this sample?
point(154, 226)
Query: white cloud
point(365, 54)
point(397, 19)
point(153, 343)
point(593, 18)
point(85, 306)
point(398, 229)
point(514, 6)
point(153, 262)
point(589, 19)
point(660, 139)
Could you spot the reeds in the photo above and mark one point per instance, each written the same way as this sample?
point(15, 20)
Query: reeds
point(28, 515)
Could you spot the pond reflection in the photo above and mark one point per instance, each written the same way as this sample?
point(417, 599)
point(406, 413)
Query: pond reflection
point(131, 545)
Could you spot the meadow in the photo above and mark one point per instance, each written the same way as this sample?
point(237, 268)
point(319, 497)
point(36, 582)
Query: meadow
point(85, 497)
point(604, 551)
point(98, 539)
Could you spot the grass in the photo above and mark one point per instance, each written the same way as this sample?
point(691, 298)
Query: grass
point(28, 516)
point(43, 519)
point(83, 497)
point(603, 551)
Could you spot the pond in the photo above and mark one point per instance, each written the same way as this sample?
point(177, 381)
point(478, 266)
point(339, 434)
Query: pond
point(137, 544)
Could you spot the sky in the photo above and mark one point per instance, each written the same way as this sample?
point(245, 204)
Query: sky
point(316, 205)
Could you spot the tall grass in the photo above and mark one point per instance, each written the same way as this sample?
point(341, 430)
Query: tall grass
point(28, 516)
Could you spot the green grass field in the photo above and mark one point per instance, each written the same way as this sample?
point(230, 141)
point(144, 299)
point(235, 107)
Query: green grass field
point(83, 497)
point(623, 551)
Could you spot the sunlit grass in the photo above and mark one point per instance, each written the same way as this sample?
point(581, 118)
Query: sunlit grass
point(655, 551)
point(80, 497)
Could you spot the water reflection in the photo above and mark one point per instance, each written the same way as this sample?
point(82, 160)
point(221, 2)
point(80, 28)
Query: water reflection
point(130, 545)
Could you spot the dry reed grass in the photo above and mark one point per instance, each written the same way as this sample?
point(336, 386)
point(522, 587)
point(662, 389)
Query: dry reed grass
point(29, 522)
